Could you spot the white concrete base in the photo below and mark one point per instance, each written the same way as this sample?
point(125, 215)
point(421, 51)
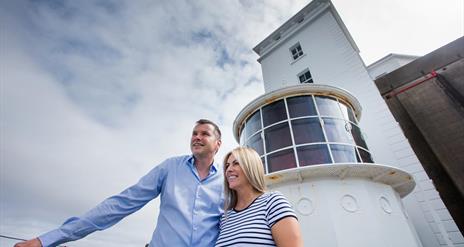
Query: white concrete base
point(349, 205)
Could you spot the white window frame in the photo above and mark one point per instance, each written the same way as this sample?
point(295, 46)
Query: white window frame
point(298, 51)
point(303, 73)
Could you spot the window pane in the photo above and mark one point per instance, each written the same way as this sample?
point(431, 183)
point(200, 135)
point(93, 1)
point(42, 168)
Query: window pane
point(277, 137)
point(307, 130)
point(358, 159)
point(358, 137)
point(242, 135)
point(274, 112)
point(365, 156)
point(253, 124)
point(305, 77)
point(328, 106)
point(337, 130)
point(296, 51)
point(343, 153)
point(313, 154)
point(281, 160)
point(308, 75)
point(263, 160)
point(348, 113)
point(256, 142)
point(301, 106)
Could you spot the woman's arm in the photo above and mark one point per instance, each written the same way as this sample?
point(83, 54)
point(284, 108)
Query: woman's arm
point(287, 233)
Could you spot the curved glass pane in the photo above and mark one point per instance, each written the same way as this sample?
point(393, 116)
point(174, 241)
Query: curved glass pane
point(343, 153)
point(281, 160)
point(358, 159)
point(307, 130)
point(274, 112)
point(301, 106)
point(253, 124)
point(313, 154)
point(347, 112)
point(337, 130)
point(328, 106)
point(256, 142)
point(358, 137)
point(277, 136)
point(365, 156)
point(263, 160)
point(242, 136)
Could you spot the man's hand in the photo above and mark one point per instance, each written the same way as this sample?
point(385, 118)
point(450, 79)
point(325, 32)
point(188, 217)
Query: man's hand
point(30, 243)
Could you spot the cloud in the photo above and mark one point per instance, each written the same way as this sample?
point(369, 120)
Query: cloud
point(95, 94)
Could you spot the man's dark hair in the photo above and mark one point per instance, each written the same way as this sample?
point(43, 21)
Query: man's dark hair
point(217, 131)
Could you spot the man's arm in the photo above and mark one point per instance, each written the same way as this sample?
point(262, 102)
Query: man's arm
point(107, 213)
point(30, 243)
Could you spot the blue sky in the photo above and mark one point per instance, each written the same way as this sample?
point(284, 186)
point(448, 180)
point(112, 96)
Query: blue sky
point(95, 93)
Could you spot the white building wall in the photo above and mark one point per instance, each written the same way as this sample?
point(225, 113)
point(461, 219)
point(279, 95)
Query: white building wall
point(388, 64)
point(332, 60)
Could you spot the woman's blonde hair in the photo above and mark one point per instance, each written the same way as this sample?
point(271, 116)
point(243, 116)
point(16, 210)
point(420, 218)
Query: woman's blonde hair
point(252, 167)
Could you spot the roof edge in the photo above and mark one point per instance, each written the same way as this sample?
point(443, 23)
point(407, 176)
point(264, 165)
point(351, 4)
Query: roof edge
point(390, 55)
point(306, 15)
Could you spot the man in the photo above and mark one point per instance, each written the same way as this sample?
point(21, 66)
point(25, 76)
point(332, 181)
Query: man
point(191, 189)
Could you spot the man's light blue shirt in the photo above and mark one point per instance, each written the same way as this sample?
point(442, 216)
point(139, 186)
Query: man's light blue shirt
point(190, 208)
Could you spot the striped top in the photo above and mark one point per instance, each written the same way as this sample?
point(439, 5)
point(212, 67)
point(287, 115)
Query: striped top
point(252, 226)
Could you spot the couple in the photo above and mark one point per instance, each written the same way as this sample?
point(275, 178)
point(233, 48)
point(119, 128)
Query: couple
point(192, 195)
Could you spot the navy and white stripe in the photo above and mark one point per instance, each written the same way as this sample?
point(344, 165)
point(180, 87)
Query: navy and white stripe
point(252, 225)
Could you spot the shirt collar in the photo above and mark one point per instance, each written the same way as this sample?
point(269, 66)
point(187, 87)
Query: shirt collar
point(212, 169)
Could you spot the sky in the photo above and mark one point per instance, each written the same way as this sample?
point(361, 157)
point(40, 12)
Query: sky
point(93, 94)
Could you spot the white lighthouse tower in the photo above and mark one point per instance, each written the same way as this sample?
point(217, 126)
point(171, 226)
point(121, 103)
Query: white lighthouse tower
point(314, 153)
point(308, 130)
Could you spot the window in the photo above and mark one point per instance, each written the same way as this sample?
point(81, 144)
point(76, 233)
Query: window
point(366, 156)
point(256, 142)
point(301, 106)
point(277, 137)
point(328, 106)
point(337, 130)
point(253, 124)
point(281, 160)
point(358, 137)
point(296, 51)
point(305, 76)
point(343, 153)
point(313, 154)
point(274, 113)
point(307, 130)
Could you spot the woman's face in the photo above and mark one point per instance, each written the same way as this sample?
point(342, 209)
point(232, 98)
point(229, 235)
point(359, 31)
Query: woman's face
point(234, 174)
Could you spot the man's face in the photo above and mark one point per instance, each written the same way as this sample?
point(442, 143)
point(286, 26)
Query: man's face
point(204, 141)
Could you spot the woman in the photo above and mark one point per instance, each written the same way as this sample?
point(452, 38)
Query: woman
point(252, 216)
